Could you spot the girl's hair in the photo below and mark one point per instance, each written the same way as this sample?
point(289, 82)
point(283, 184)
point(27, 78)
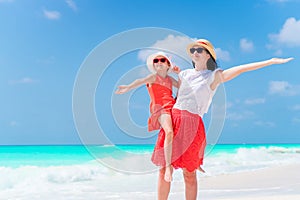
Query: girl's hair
point(211, 63)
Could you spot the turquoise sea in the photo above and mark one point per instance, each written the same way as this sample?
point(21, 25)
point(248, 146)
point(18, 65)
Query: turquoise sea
point(49, 155)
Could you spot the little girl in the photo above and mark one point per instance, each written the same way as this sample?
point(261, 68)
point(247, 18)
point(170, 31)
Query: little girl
point(159, 86)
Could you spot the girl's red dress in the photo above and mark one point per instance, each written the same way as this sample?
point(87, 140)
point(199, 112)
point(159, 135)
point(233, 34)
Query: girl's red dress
point(162, 101)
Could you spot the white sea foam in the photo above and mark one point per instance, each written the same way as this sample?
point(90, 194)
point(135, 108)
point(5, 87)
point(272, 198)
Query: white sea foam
point(245, 159)
point(86, 181)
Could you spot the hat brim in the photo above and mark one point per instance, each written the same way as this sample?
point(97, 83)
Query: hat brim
point(150, 61)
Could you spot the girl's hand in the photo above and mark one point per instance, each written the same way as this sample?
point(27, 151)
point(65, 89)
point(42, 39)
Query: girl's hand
point(122, 89)
point(176, 69)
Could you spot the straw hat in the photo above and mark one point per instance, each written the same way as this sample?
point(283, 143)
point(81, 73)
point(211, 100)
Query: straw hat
point(205, 44)
point(152, 56)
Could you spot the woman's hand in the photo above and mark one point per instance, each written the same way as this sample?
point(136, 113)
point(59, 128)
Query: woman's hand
point(280, 60)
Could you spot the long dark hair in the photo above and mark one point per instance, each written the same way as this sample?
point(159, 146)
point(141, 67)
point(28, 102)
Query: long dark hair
point(211, 63)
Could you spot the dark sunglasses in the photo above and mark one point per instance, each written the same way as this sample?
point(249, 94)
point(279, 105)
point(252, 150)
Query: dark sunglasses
point(156, 60)
point(199, 50)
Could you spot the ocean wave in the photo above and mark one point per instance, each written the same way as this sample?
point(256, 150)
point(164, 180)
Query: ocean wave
point(85, 181)
point(251, 158)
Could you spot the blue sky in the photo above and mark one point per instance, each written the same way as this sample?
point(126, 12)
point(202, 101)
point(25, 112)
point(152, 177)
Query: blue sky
point(43, 45)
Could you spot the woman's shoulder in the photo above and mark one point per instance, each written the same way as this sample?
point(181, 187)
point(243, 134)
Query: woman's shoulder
point(187, 70)
point(217, 71)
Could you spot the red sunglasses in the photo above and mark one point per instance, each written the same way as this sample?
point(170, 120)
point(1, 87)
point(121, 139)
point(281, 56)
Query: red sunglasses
point(163, 60)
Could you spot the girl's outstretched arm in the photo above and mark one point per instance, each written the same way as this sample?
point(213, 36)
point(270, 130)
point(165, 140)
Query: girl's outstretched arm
point(138, 82)
point(233, 72)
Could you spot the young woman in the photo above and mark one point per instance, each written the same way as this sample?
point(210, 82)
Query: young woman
point(197, 88)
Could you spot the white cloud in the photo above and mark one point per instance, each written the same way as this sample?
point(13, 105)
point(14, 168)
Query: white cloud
point(13, 123)
point(46, 61)
point(6, 1)
point(52, 15)
point(278, 52)
point(229, 105)
point(255, 101)
point(283, 88)
point(177, 46)
point(278, 1)
point(72, 5)
point(24, 80)
point(246, 45)
point(222, 54)
point(296, 107)
point(237, 116)
point(282, 1)
point(234, 116)
point(265, 123)
point(289, 35)
point(174, 44)
point(296, 120)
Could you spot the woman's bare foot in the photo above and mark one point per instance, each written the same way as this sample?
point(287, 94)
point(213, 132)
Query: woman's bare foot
point(168, 174)
point(200, 169)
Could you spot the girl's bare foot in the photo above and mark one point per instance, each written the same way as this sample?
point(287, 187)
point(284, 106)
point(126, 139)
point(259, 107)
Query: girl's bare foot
point(200, 169)
point(168, 174)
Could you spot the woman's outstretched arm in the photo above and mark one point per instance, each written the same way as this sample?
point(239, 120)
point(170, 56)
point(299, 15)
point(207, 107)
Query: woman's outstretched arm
point(233, 72)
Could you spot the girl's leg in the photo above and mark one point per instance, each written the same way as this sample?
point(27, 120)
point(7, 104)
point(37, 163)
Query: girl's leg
point(163, 186)
point(190, 180)
point(165, 121)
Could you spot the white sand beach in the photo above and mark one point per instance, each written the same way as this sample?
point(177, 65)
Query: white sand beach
point(276, 183)
point(94, 182)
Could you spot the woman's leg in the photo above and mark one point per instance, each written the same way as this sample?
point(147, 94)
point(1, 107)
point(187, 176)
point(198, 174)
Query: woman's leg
point(165, 121)
point(163, 189)
point(190, 180)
